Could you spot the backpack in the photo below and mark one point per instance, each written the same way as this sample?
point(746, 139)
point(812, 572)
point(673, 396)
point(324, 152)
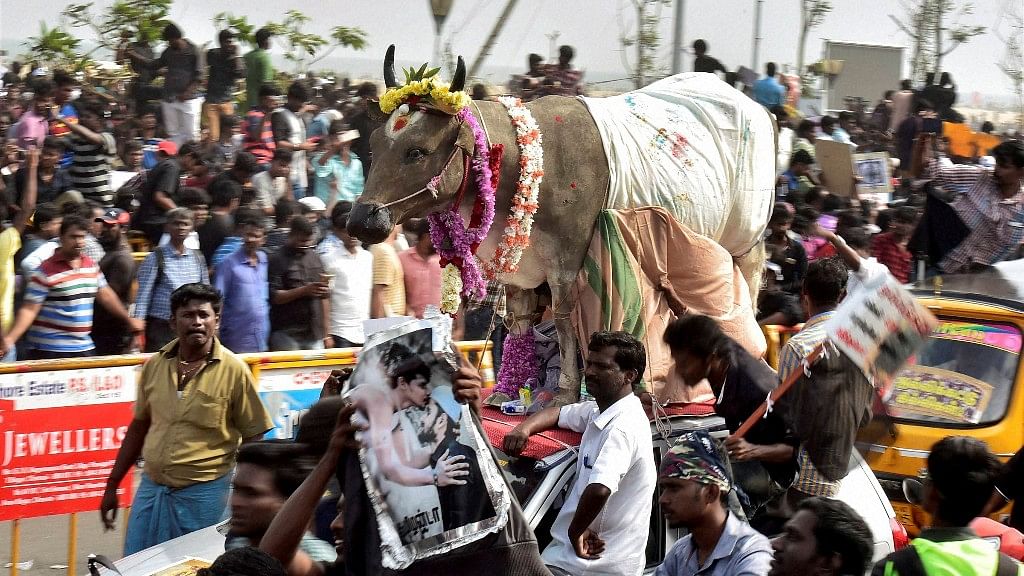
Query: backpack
point(907, 562)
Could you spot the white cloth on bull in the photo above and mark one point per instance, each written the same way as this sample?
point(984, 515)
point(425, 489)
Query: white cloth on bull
point(699, 148)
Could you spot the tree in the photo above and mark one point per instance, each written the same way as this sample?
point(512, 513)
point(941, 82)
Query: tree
point(645, 40)
point(54, 47)
point(302, 49)
point(122, 20)
point(936, 29)
point(1013, 59)
point(812, 14)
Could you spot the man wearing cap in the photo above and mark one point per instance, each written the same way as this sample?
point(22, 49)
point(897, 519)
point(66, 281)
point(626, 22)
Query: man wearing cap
point(337, 171)
point(694, 485)
point(118, 267)
point(158, 192)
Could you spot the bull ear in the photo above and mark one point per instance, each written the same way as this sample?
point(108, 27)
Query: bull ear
point(375, 113)
point(465, 140)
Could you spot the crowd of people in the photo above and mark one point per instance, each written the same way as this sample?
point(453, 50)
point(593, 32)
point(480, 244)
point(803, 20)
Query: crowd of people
point(243, 210)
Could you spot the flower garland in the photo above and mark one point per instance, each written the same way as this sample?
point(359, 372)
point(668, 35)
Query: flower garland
point(518, 363)
point(519, 224)
point(453, 240)
point(413, 91)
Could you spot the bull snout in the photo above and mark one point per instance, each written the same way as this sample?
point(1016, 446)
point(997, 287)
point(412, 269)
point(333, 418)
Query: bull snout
point(370, 222)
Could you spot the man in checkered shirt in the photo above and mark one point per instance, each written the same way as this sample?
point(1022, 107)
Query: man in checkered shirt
point(989, 201)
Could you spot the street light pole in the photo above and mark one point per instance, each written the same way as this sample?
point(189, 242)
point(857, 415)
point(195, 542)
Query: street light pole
point(440, 10)
point(677, 37)
point(757, 34)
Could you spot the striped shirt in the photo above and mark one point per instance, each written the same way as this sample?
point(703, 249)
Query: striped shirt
point(67, 296)
point(154, 295)
point(90, 169)
point(808, 480)
point(996, 224)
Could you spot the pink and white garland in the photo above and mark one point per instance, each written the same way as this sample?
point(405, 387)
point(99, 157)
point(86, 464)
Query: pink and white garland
point(519, 224)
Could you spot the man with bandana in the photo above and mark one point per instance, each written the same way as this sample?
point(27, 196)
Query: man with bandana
point(694, 489)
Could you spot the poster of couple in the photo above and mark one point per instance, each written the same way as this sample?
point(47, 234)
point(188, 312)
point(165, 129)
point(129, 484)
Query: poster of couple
point(428, 470)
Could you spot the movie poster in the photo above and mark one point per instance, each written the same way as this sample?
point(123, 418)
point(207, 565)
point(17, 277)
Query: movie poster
point(428, 469)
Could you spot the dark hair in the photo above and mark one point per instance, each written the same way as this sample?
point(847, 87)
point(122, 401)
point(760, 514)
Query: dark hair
point(780, 214)
point(225, 35)
point(284, 210)
point(780, 113)
point(228, 123)
point(262, 37)
point(62, 79)
point(318, 424)
point(298, 91)
point(629, 352)
point(945, 78)
point(418, 226)
point(282, 155)
point(131, 147)
point(224, 191)
point(814, 194)
point(698, 334)
point(839, 529)
point(906, 84)
point(73, 221)
point(45, 213)
point(42, 88)
point(987, 126)
point(246, 561)
point(248, 217)
point(963, 471)
point(801, 157)
point(367, 90)
point(922, 104)
point(770, 69)
point(566, 51)
point(246, 162)
point(846, 219)
point(846, 116)
point(290, 462)
point(189, 196)
point(857, 238)
point(1010, 152)
point(340, 214)
point(300, 226)
point(409, 369)
point(805, 126)
point(54, 143)
point(700, 46)
point(535, 58)
point(905, 215)
point(195, 291)
point(190, 148)
point(171, 32)
point(833, 203)
point(827, 122)
point(825, 282)
point(887, 95)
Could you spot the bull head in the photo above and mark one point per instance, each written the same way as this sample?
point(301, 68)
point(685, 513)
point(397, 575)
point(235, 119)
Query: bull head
point(409, 149)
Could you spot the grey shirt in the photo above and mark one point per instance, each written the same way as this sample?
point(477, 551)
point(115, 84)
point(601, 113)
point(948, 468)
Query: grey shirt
point(741, 551)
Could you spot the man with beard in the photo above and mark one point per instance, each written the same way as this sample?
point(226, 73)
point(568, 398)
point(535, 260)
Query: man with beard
point(299, 293)
point(602, 527)
point(421, 268)
point(196, 403)
point(694, 490)
point(118, 267)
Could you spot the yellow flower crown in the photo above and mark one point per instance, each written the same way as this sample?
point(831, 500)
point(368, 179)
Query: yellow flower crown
point(424, 84)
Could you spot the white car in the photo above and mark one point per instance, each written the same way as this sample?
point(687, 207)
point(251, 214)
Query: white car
point(542, 478)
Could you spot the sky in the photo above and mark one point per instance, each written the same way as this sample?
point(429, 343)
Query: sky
point(591, 26)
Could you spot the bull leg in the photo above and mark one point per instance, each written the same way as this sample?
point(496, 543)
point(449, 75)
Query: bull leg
point(521, 308)
point(563, 302)
point(751, 266)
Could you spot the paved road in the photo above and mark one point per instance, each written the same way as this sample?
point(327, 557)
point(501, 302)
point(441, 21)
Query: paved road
point(44, 541)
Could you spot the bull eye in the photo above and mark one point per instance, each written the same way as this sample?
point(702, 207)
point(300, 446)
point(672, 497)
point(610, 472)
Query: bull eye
point(415, 154)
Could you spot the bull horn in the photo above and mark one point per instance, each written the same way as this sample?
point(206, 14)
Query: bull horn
point(459, 81)
point(389, 68)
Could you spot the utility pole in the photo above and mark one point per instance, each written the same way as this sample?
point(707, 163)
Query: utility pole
point(485, 51)
point(757, 35)
point(677, 37)
point(440, 10)
point(553, 45)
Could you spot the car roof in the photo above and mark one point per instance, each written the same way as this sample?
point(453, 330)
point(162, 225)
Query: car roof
point(1001, 285)
point(497, 424)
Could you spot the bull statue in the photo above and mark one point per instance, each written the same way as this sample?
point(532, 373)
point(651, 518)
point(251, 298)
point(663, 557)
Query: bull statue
point(689, 143)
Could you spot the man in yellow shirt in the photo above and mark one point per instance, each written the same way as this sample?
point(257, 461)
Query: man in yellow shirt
point(10, 243)
point(196, 403)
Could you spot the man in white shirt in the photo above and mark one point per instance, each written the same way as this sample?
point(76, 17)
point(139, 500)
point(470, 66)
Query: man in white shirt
point(352, 284)
point(855, 251)
point(602, 527)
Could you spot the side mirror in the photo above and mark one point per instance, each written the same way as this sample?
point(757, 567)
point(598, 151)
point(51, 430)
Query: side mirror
point(913, 490)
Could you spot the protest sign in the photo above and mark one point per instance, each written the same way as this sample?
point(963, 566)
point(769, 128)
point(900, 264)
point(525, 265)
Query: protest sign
point(836, 162)
point(879, 327)
point(875, 175)
point(428, 471)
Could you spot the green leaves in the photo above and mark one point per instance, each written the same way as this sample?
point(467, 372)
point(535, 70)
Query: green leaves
point(412, 74)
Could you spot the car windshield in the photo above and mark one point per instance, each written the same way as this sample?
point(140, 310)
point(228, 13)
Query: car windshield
point(962, 376)
point(523, 474)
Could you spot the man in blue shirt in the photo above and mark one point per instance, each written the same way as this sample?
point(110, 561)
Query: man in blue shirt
point(693, 481)
point(768, 91)
point(242, 279)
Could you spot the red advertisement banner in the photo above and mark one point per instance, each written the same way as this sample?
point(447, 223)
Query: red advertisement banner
point(57, 460)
